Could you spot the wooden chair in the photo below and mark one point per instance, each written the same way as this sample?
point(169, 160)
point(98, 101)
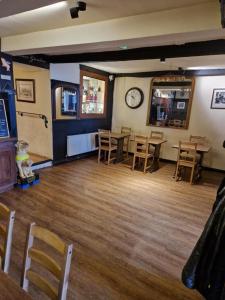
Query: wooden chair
point(105, 144)
point(187, 157)
point(141, 151)
point(156, 135)
point(201, 140)
point(6, 230)
point(61, 273)
point(126, 144)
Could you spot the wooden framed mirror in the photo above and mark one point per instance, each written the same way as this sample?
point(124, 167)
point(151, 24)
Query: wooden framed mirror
point(170, 102)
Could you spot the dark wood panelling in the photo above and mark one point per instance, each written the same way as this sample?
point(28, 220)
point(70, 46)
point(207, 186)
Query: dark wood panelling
point(185, 50)
point(189, 73)
point(132, 232)
point(7, 164)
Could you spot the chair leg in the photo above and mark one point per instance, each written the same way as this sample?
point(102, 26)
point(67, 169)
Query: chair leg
point(176, 172)
point(127, 150)
point(109, 156)
point(104, 155)
point(145, 165)
point(134, 158)
point(99, 155)
point(192, 174)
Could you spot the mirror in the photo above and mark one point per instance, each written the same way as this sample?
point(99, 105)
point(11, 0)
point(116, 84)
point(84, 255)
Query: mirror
point(170, 102)
point(66, 101)
point(93, 95)
point(69, 102)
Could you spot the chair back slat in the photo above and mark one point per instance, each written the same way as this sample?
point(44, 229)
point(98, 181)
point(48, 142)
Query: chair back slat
point(156, 135)
point(42, 284)
point(125, 129)
point(44, 260)
point(104, 138)
point(49, 238)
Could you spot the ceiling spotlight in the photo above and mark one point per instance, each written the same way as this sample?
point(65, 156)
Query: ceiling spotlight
point(162, 60)
point(81, 6)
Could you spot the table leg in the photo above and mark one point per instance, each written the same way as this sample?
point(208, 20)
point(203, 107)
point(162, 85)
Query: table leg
point(119, 152)
point(199, 167)
point(155, 163)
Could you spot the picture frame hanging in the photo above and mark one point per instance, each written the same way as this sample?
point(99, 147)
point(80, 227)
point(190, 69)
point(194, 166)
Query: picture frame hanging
point(25, 90)
point(218, 99)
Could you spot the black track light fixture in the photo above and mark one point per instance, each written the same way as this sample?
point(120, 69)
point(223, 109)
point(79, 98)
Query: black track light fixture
point(74, 11)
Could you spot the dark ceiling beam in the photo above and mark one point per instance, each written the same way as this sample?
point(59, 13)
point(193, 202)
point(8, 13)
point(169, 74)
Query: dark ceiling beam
point(185, 50)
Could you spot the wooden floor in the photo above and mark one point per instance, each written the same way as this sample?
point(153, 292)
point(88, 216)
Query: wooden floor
point(132, 232)
point(37, 158)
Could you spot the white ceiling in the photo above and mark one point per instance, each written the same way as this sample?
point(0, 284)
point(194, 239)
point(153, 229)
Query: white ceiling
point(11, 7)
point(57, 15)
point(207, 62)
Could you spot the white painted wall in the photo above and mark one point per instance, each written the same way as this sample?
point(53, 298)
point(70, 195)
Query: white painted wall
point(33, 130)
point(69, 72)
point(203, 121)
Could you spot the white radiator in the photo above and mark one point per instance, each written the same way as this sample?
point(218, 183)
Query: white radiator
point(81, 143)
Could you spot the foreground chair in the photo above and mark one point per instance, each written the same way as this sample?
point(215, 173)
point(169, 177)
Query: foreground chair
point(126, 130)
point(60, 273)
point(6, 230)
point(105, 144)
point(187, 157)
point(141, 151)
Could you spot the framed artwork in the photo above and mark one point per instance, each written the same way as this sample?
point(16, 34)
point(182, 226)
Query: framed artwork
point(181, 105)
point(218, 99)
point(25, 90)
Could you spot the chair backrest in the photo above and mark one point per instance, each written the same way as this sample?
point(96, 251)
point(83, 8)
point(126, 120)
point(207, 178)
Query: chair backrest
point(125, 129)
point(187, 152)
point(201, 140)
point(6, 230)
point(156, 135)
point(104, 138)
point(60, 272)
point(141, 144)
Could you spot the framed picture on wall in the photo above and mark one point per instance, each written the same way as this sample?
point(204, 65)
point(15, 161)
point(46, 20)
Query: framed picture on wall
point(218, 99)
point(25, 90)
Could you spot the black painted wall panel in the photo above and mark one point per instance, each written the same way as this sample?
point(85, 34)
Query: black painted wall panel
point(63, 128)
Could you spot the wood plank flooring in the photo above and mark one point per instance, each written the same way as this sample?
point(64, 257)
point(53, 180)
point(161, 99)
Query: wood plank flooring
point(132, 232)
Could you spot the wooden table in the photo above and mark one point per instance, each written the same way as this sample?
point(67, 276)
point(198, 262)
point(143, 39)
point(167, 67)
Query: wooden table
point(201, 150)
point(120, 141)
point(156, 143)
point(9, 290)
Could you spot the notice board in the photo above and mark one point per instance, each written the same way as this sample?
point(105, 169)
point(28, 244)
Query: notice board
point(4, 129)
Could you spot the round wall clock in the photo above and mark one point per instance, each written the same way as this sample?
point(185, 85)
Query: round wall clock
point(134, 97)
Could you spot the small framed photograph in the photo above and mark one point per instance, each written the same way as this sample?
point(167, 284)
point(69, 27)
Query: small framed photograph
point(218, 99)
point(180, 105)
point(25, 90)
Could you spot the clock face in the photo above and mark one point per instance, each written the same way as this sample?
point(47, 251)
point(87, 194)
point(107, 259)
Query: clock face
point(134, 97)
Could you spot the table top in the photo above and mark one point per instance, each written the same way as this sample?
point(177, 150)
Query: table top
point(116, 135)
point(154, 141)
point(200, 147)
point(9, 290)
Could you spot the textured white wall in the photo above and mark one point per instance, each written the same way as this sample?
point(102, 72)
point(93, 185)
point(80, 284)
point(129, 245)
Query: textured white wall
point(203, 121)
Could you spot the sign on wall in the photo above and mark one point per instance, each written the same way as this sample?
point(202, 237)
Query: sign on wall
point(4, 129)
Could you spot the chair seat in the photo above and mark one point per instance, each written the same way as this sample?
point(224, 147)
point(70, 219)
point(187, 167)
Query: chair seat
point(107, 148)
point(186, 163)
point(140, 154)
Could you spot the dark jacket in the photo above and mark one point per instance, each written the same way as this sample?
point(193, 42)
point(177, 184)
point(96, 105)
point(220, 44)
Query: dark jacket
point(205, 269)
